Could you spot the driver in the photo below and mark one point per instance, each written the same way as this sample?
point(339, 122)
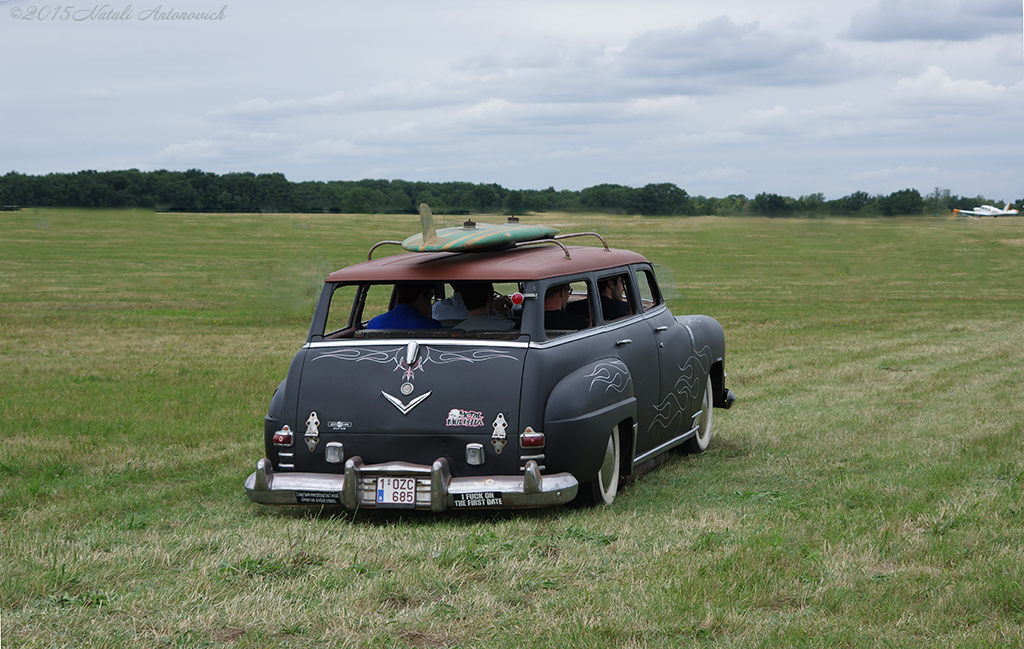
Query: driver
point(479, 299)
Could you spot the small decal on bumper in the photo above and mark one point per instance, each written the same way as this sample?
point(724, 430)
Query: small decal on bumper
point(485, 499)
point(317, 498)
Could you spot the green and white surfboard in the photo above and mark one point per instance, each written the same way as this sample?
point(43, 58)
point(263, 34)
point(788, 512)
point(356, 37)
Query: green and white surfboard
point(472, 236)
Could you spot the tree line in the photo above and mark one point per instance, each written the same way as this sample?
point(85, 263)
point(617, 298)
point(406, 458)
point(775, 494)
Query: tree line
point(199, 191)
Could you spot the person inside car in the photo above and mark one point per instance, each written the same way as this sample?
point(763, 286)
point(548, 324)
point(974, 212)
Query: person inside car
point(613, 299)
point(555, 299)
point(412, 310)
point(479, 299)
point(451, 308)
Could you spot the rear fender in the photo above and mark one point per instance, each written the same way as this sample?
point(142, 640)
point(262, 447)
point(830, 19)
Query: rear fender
point(272, 421)
point(581, 411)
point(708, 338)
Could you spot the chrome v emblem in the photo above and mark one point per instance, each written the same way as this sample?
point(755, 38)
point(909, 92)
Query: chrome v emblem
point(402, 408)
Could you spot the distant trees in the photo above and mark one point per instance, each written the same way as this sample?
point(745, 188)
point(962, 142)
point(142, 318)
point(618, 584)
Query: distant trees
point(771, 204)
point(905, 201)
point(851, 204)
point(665, 199)
point(198, 191)
point(609, 198)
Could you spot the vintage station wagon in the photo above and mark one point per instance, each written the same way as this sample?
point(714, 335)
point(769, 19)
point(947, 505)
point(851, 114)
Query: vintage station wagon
point(524, 408)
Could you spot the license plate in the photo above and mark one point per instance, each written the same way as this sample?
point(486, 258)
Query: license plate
point(396, 492)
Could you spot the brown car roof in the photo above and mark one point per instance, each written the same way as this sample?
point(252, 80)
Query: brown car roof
point(527, 263)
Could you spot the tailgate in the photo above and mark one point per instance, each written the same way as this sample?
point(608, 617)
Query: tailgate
point(412, 401)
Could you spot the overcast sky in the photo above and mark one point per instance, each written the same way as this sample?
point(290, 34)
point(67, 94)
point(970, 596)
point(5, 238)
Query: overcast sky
point(727, 97)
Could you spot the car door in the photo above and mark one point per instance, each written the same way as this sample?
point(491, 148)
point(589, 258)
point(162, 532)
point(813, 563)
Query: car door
point(673, 409)
point(629, 338)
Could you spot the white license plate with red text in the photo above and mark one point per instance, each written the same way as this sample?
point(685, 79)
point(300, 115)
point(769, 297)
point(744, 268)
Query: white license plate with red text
point(396, 492)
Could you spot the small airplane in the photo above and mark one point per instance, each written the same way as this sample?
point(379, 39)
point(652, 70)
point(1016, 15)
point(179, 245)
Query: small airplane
point(989, 210)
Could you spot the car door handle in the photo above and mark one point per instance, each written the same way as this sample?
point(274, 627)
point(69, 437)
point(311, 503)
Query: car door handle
point(624, 341)
point(664, 328)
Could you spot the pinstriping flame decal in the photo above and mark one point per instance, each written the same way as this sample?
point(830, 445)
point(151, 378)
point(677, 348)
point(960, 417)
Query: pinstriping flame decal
point(683, 392)
point(397, 356)
point(613, 375)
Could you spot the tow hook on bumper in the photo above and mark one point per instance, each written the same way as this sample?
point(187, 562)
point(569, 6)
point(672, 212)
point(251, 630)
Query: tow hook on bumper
point(436, 489)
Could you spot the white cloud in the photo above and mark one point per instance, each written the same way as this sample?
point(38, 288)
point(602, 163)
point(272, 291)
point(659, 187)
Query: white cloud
point(585, 152)
point(935, 85)
point(673, 105)
point(196, 149)
point(326, 149)
point(951, 20)
point(720, 53)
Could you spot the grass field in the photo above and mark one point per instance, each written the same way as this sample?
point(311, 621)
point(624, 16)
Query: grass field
point(865, 491)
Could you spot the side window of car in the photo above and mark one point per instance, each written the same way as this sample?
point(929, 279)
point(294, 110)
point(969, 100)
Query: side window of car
point(568, 307)
point(650, 296)
point(340, 311)
point(377, 299)
point(615, 291)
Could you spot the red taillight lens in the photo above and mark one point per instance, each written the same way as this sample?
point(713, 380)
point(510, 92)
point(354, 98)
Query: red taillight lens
point(283, 437)
point(517, 298)
point(531, 439)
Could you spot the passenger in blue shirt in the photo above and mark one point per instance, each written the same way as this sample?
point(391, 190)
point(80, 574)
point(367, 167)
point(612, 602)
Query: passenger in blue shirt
point(412, 310)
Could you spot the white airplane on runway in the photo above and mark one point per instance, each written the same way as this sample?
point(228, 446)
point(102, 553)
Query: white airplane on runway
point(989, 210)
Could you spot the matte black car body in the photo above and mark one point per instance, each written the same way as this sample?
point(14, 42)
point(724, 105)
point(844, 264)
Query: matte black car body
point(522, 418)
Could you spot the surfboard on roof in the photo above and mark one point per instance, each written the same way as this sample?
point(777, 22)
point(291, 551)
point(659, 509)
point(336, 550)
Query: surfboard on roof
point(473, 236)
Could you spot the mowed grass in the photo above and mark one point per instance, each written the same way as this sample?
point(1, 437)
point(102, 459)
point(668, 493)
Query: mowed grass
point(864, 491)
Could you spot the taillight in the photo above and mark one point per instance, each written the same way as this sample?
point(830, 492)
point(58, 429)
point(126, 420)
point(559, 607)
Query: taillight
point(283, 437)
point(531, 439)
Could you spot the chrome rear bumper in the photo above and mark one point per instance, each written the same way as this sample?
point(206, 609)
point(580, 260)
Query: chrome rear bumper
point(436, 489)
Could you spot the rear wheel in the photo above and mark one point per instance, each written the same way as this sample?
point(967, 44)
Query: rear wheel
point(702, 438)
point(604, 486)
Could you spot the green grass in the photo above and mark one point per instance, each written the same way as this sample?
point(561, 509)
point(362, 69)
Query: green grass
point(865, 491)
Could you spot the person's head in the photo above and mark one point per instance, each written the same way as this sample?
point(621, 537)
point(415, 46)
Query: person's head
point(556, 296)
point(477, 295)
point(417, 295)
point(611, 286)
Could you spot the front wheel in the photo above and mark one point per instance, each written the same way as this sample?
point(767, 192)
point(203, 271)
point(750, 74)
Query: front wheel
point(702, 438)
point(604, 486)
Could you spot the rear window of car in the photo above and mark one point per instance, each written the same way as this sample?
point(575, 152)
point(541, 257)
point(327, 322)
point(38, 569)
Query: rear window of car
point(353, 307)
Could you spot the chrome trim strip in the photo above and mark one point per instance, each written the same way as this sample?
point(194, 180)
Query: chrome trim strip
point(672, 443)
point(422, 342)
point(607, 327)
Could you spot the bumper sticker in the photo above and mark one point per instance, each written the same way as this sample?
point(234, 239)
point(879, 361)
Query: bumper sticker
point(485, 499)
point(317, 498)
